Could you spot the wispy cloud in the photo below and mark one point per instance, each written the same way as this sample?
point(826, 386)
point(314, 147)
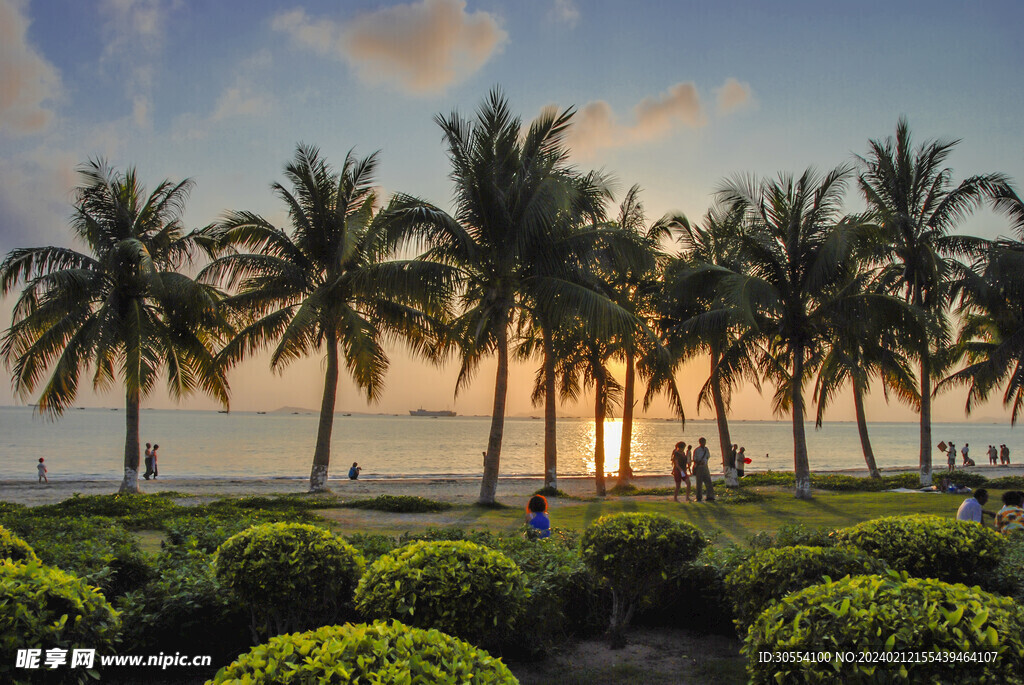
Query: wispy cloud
point(28, 82)
point(243, 98)
point(422, 48)
point(134, 34)
point(565, 12)
point(733, 95)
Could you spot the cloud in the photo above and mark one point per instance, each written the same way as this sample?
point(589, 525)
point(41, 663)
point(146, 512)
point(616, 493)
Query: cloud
point(28, 83)
point(242, 98)
point(134, 35)
point(596, 125)
point(733, 95)
point(422, 48)
point(35, 197)
point(565, 12)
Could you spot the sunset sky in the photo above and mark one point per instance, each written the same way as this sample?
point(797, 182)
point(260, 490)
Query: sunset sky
point(674, 96)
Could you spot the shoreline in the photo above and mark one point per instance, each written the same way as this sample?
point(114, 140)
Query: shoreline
point(454, 489)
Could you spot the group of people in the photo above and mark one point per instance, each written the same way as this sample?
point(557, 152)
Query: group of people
point(1009, 519)
point(687, 461)
point(151, 463)
point(1001, 453)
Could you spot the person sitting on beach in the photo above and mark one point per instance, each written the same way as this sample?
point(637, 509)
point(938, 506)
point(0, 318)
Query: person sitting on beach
point(680, 471)
point(1010, 519)
point(41, 469)
point(537, 516)
point(353, 473)
point(971, 508)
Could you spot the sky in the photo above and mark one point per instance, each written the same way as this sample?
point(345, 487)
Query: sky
point(674, 96)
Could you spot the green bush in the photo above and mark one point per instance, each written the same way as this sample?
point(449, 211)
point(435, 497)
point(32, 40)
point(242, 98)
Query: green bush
point(372, 545)
point(376, 653)
point(293, 576)
point(635, 554)
point(895, 614)
point(184, 609)
point(458, 587)
point(1005, 483)
point(792, 534)
point(44, 608)
point(1008, 577)
point(398, 504)
point(135, 511)
point(771, 574)
point(14, 548)
point(95, 548)
point(929, 546)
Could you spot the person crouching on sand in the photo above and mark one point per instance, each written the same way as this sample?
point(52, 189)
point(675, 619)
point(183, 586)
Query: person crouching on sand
point(353, 473)
point(41, 468)
point(537, 516)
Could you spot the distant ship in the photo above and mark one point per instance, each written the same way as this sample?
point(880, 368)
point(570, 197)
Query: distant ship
point(425, 412)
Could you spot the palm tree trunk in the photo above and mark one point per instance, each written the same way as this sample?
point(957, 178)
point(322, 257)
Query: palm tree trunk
point(550, 448)
point(130, 483)
point(801, 469)
point(599, 411)
point(489, 484)
point(322, 455)
point(625, 472)
point(723, 422)
point(862, 428)
point(926, 424)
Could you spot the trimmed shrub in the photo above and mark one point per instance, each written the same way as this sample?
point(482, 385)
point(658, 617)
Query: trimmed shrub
point(634, 554)
point(293, 576)
point(892, 613)
point(14, 548)
point(771, 574)
point(44, 608)
point(398, 504)
point(458, 587)
point(929, 546)
point(1005, 483)
point(376, 653)
point(137, 511)
point(792, 534)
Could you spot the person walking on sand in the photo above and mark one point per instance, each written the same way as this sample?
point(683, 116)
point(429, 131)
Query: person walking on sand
point(41, 470)
point(156, 466)
point(993, 455)
point(680, 469)
point(537, 516)
point(701, 472)
point(149, 461)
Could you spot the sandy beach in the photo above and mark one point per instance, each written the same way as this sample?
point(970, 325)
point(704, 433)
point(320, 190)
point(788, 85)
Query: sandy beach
point(455, 490)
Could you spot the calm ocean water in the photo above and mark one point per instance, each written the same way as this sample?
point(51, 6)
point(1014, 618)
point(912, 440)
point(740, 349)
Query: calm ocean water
point(90, 442)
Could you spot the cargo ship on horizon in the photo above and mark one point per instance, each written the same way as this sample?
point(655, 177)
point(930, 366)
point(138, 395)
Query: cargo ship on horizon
point(426, 412)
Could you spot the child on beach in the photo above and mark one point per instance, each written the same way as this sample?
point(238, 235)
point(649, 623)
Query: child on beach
point(537, 516)
point(353, 473)
point(41, 468)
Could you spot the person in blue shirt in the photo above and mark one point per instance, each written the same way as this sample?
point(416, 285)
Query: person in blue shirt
point(353, 473)
point(537, 516)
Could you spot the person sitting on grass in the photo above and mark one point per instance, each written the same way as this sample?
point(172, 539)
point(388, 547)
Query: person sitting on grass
point(537, 516)
point(1010, 519)
point(971, 509)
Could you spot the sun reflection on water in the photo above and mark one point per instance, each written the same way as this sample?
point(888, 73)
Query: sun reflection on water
point(643, 452)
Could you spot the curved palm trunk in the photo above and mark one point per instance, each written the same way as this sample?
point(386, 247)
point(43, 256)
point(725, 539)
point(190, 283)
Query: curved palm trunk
point(625, 472)
point(322, 455)
point(599, 413)
point(926, 423)
point(801, 469)
point(862, 428)
point(723, 422)
point(131, 443)
point(492, 458)
point(550, 417)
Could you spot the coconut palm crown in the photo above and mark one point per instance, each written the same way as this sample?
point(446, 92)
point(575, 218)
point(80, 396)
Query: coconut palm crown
point(121, 311)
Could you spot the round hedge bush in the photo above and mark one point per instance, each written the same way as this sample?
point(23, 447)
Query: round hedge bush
point(42, 608)
point(14, 548)
point(376, 653)
point(929, 546)
point(294, 576)
point(457, 587)
point(892, 613)
point(771, 574)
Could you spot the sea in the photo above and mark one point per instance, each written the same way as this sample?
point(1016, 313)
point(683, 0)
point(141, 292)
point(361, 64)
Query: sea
point(89, 443)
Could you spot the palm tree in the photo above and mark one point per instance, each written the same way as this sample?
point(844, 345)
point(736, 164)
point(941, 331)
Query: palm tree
point(327, 285)
point(917, 208)
point(694, 324)
point(795, 246)
point(992, 336)
point(121, 309)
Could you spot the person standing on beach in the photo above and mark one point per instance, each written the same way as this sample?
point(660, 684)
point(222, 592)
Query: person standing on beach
point(680, 470)
point(1004, 455)
point(993, 455)
point(700, 470)
point(41, 470)
point(149, 461)
point(951, 457)
point(731, 468)
point(964, 452)
point(741, 461)
point(156, 467)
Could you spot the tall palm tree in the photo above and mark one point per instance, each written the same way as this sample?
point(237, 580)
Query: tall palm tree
point(511, 185)
point(918, 208)
point(795, 246)
point(328, 284)
point(694, 324)
point(121, 310)
point(992, 336)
